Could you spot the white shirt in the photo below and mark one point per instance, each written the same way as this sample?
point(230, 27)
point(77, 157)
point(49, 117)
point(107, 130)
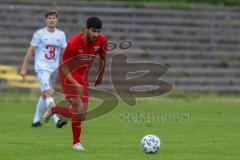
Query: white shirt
point(48, 48)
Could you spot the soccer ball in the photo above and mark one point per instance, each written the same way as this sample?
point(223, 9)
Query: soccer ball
point(150, 144)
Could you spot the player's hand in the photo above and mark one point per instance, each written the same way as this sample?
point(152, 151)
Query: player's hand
point(23, 73)
point(98, 80)
point(79, 89)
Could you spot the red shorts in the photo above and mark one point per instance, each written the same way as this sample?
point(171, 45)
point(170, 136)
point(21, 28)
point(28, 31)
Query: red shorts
point(70, 91)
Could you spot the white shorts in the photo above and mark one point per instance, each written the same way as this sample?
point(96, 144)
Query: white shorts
point(46, 79)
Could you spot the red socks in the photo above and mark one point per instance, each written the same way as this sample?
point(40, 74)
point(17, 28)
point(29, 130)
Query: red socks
point(66, 112)
point(76, 123)
point(76, 131)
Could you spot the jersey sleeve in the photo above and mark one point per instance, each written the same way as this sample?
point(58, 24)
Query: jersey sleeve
point(104, 47)
point(64, 42)
point(68, 53)
point(36, 39)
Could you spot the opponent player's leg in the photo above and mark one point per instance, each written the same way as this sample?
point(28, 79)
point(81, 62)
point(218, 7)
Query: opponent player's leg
point(48, 92)
point(68, 89)
point(51, 103)
point(41, 102)
point(39, 110)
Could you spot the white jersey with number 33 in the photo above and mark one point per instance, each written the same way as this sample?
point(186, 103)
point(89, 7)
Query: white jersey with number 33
point(48, 48)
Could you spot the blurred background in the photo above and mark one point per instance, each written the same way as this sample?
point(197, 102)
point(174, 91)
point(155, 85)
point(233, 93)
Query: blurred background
point(197, 40)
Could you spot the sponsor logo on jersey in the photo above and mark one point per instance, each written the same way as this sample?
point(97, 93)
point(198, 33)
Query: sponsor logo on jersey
point(80, 50)
point(58, 40)
point(87, 57)
point(96, 48)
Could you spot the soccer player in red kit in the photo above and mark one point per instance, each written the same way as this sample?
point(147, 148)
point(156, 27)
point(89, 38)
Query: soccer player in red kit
point(73, 75)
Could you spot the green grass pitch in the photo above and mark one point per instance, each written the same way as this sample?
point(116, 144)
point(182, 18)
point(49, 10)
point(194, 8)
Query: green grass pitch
point(202, 128)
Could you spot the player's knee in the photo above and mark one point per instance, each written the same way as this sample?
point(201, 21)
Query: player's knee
point(77, 101)
point(80, 115)
point(77, 109)
point(48, 93)
point(83, 116)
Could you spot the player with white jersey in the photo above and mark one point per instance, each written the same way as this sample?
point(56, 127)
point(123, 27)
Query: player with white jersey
point(48, 43)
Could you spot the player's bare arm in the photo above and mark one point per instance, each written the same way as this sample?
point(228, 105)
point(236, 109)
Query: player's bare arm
point(102, 64)
point(63, 50)
point(68, 75)
point(23, 70)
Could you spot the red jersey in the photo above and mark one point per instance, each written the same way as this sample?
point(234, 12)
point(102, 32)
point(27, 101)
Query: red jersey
point(79, 56)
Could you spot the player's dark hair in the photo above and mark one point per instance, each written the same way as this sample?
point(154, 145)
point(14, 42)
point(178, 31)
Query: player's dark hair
point(94, 22)
point(50, 13)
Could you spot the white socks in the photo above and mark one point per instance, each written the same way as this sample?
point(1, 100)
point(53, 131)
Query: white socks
point(42, 103)
point(55, 118)
point(50, 101)
point(39, 109)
